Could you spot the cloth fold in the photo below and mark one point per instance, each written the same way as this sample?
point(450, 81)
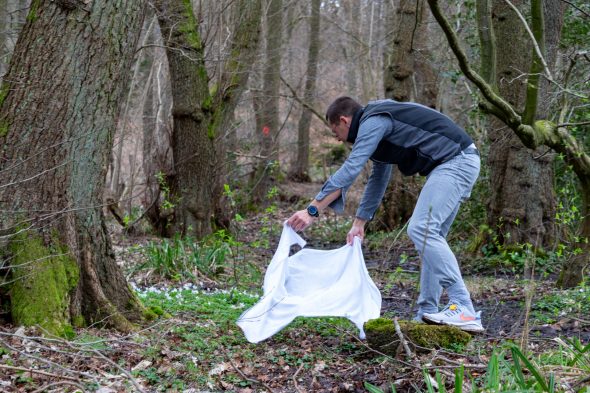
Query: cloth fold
point(312, 283)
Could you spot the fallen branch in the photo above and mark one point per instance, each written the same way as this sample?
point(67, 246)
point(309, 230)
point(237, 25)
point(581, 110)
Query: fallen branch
point(44, 388)
point(295, 377)
point(31, 370)
point(403, 341)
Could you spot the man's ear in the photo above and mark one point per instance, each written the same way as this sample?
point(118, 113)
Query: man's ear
point(344, 119)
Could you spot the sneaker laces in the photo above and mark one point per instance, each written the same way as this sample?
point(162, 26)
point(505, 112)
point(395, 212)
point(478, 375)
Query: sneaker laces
point(451, 310)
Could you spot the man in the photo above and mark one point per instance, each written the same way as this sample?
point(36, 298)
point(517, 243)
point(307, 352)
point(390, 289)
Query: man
point(419, 140)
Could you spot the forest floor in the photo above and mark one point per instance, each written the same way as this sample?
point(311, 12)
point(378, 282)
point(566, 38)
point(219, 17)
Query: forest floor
point(195, 346)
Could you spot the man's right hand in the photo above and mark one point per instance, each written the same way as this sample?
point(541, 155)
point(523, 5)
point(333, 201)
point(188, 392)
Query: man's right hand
point(300, 220)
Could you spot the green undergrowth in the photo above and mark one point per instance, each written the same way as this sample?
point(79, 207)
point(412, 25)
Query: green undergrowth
point(509, 369)
point(218, 258)
point(557, 305)
point(207, 333)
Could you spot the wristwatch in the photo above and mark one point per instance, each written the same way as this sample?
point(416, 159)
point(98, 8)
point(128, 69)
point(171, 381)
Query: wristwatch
point(313, 211)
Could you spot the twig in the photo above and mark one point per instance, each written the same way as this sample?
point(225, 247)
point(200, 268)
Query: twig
point(582, 381)
point(31, 370)
point(582, 123)
point(295, 377)
point(46, 361)
point(403, 341)
point(303, 103)
point(44, 388)
point(584, 321)
point(576, 7)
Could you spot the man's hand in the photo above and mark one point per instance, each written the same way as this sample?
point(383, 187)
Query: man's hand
point(300, 220)
point(358, 229)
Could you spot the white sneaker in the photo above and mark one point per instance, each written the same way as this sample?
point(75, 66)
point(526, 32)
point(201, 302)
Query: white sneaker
point(455, 315)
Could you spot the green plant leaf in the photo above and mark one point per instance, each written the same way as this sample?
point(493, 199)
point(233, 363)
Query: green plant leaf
point(372, 388)
point(517, 354)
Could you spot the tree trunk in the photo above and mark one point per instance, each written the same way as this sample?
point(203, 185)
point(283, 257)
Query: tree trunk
point(68, 74)
point(403, 70)
point(301, 166)
point(193, 145)
point(268, 104)
point(522, 202)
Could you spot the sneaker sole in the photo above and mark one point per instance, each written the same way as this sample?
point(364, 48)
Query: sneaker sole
point(465, 327)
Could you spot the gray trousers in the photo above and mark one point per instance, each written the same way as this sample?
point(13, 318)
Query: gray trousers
point(446, 187)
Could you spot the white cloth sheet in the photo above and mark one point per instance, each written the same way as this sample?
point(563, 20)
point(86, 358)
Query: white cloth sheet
point(312, 283)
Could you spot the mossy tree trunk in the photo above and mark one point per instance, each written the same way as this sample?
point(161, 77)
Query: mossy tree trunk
point(198, 113)
point(407, 77)
point(300, 168)
point(58, 111)
point(539, 133)
point(522, 201)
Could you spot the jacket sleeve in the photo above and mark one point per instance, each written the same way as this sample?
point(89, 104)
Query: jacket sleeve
point(371, 132)
point(374, 190)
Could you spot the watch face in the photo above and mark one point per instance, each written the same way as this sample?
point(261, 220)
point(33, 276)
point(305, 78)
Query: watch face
point(313, 211)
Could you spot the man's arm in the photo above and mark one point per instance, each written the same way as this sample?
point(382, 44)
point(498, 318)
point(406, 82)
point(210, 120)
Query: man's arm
point(372, 196)
point(301, 219)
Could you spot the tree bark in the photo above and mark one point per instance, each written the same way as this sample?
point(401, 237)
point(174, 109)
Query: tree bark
point(193, 145)
point(522, 201)
point(68, 74)
point(301, 166)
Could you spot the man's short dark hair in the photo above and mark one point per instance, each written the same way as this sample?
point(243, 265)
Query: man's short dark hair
point(342, 106)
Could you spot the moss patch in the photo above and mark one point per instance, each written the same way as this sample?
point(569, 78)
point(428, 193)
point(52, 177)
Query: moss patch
point(190, 26)
point(381, 336)
point(44, 277)
point(4, 89)
point(3, 128)
point(32, 16)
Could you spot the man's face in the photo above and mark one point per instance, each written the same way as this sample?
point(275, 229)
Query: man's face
point(341, 128)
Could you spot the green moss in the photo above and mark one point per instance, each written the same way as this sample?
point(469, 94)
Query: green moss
point(381, 336)
point(4, 89)
point(149, 315)
point(44, 278)
point(211, 131)
point(32, 15)
point(436, 336)
point(190, 27)
point(3, 128)
point(78, 321)
point(207, 103)
point(544, 126)
point(157, 310)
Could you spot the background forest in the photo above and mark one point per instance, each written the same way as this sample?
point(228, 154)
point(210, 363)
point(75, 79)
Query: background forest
point(151, 151)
